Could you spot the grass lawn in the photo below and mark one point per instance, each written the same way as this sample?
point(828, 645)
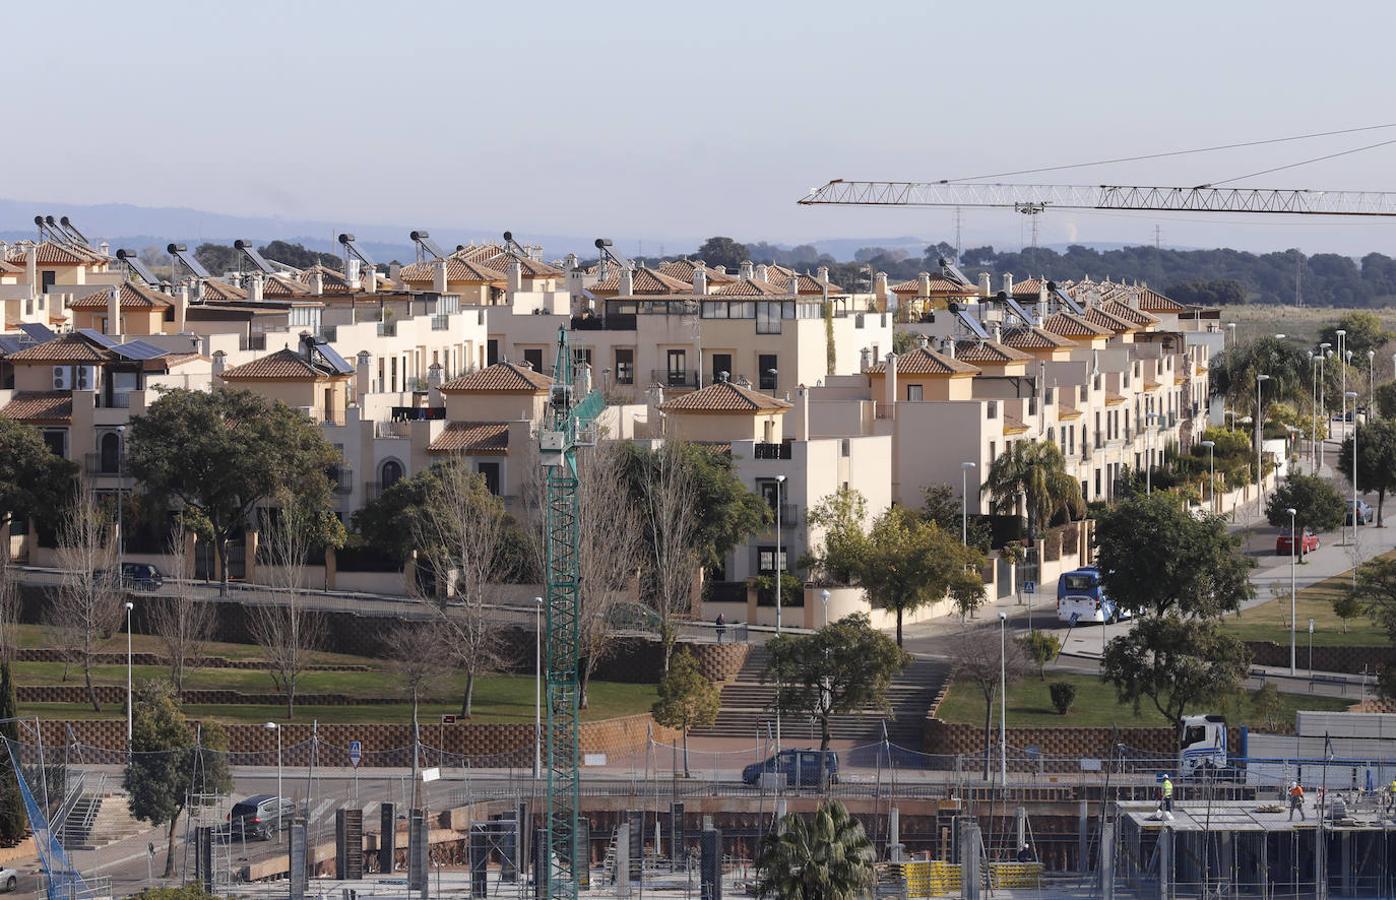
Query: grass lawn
point(1270, 621)
point(39, 636)
point(1302, 325)
point(1030, 705)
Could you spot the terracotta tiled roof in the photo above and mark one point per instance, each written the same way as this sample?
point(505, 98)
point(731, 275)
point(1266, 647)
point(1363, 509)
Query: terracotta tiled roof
point(478, 253)
point(1097, 315)
point(971, 350)
point(1151, 301)
point(1021, 337)
point(500, 378)
point(10, 269)
point(940, 287)
point(647, 282)
point(1013, 426)
point(532, 268)
point(1113, 399)
point(283, 365)
point(69, 348)
point(1067, 413)
point(456, 270)
point(215, 290)
point(925, 361)
point(133, 296)
point(1071, 325)
point(473, 439)
point(1028, 287)
point(1123, 310)
point(279, 287)
point(749, 287)
point(808, 284)
point(682, 269)
point(724, 397)
point(52, 253)
point(332, 280)
point(40, 407)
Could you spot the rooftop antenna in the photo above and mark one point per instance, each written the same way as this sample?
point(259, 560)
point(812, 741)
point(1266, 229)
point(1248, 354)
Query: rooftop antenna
point(425, 245)
point(180, 252)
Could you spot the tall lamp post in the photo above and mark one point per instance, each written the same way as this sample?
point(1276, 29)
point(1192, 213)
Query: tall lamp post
point(1342, 360)
point(780, 572)
point(273, 726)
point(537, 687)
point(129, 730)
point(964, 501)
point(1293, 596)
point(1003, 698)
point(1371, 381)
point(1212, 472)
point(1356, 519)
point(824, 598)
point(1259, 443)
point(1313, 418)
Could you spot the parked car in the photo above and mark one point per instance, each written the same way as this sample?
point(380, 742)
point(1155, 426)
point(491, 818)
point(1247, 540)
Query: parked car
point(803, 765)
point(9, 880)
point(260, 817)
point(137, 576)
point(1284, 544)
point(1366, 515)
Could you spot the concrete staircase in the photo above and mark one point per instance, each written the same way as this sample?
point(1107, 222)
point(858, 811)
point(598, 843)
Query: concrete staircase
point(746, 704)
point(98, 820)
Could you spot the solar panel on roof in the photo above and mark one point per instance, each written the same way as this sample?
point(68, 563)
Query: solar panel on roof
point(337, 362)
point(257, 259)
point(972, 324)
point(37, 331)
point(1018, 310)
point(141, 269)
point(1068, 301)
point(953, 272)
point(190, 261)
point(97, 337)
point(13, 343)
point(140, 350)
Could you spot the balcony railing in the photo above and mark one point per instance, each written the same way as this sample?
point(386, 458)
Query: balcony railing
point(440, 322)
point(387, 329)
point(613, 322)
point(790, 516)
point(675, 377)
point(772, 451)
point(343, 480)
point(252, 342)
point(96, 465)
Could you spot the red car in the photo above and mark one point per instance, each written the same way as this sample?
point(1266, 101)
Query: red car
point(1284, 546)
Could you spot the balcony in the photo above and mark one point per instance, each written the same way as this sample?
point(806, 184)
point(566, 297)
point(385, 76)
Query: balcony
point(252, 342)
point(329, 333)
point(387, 329)
point(772, 451)
point(342, 480)
point(790, 517)
point(613, 322)
point(683, 378)
point(94, 464)
point(440, 322)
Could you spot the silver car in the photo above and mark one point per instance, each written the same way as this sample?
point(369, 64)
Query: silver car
point(9, 880)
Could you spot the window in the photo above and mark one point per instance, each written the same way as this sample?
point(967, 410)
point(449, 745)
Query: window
point(581, 356)
point(766, 560)
point(392, 372)
point(111, 453)
point(490, 472)
point(1097, 484)
point(57, 441)
point(766, 366)
point(625, 365)
point(46, 279)
point(770, 491)
point(491, 352)
point(534, 357)
point(767, 317)
point(913, 392)
point(722, 366)
point(993, 451)
point(678, 366)
point(390, 473)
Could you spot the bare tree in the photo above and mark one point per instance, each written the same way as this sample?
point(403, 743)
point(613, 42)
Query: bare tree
point(9, 607)
point(668, 513)
point(461, 534)
point(418, 654)
point(284, 627)
point(977, 656)
point(88, 605)
point(181, 621)
point(611, 550)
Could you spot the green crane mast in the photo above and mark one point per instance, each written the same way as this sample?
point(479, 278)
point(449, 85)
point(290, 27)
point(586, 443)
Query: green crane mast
point(558, 441)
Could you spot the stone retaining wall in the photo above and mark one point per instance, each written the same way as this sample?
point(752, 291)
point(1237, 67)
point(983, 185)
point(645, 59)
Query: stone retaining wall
point(116, 695)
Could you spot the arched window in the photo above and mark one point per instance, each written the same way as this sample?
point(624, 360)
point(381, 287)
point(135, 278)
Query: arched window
point(390, 473)
point(111, 453)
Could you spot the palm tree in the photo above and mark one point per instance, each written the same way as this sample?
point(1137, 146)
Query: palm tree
point(826, 858)
point(1037, 471)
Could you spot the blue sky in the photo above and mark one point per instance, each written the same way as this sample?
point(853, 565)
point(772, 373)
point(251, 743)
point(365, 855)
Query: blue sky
point(673, 120)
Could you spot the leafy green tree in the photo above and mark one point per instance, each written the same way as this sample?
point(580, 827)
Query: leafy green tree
point(223, 453)
point(34, 481)
point(1041, 647)
point(1233, 374)
point(1035, 470)
point(1386, 399)
point(840, 517)
point(966, 590)
point(1267, 704)
point(1375, 591)
point(1063, 695)
point(723, 251)
point(1364, 332)
point(687, 700)
point(169, 761)
point(1316, 503)
point(905, 341)
point(1155, 557)
point(1175, 663)
point(846, 665)
point(941, 505)
point(217, 258)
point(1376, 460)
point(298, 256)
point(13, 826)
point(1346, 606)
point(1223, 292)
point(183, 892)
point(826, 858)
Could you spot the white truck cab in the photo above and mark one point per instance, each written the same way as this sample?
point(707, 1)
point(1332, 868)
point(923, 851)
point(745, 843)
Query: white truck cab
point(1203, 745)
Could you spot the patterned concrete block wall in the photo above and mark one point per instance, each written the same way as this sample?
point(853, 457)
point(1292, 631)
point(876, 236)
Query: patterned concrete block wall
point(1353, 660)
point(1061, 747)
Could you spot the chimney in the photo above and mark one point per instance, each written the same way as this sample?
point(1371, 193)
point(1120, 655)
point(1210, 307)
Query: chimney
point(891, 370)
point(1008, 284)
point(307, 344)
point(317, 283)
point(985, 289)
point(864, 359)
point(923, 341)
point(434, 381)
point(395, 274)
point(821, 274)
point(363, 375)
point(998, 332)
point(721, 270)
point(923, 284)
point(950, 347)
point(515, 276)
point(700, 281)
point(627, 283)
point(104, 248)
point(351, 273)
point(370, 281)
point(31, 268)
point(746, 270)
point(880, 289)
point(802, 401)
point(114, 310)
point(570, 262)
point(762, 273)
point(181, 307)
point(254, 287)
point(438, 276)
point(220, 362)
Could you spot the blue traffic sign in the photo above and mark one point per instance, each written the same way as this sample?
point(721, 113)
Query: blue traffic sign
point(356, 753)
point(1030, 587)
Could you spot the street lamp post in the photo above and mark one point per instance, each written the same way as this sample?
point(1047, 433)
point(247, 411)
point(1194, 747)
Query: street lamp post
point(1003, 698)
point(1356, 519)
point(824, 598)
point(129, 705)
point(1212, 473)
point(1293, 596)
point(1371, 382)
point(537, 687)
point(1311, 649)
point(1342, 361)
point(1313, 419)
point(273, 726)
point(964, 502)
point(1259, 443)
point(780, 569)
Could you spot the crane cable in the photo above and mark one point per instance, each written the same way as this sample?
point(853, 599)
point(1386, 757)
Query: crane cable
point(1302, 162)
point(1170, 153)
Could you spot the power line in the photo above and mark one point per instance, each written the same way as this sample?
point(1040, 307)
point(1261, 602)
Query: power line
point(1305, 162)
point(1124, 159)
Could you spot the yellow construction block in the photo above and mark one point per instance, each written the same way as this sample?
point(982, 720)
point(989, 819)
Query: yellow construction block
point(931, 878)
point(1015, 874)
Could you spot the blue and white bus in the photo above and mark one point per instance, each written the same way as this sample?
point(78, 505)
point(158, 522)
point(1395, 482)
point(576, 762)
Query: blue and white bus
point(1080, 598)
